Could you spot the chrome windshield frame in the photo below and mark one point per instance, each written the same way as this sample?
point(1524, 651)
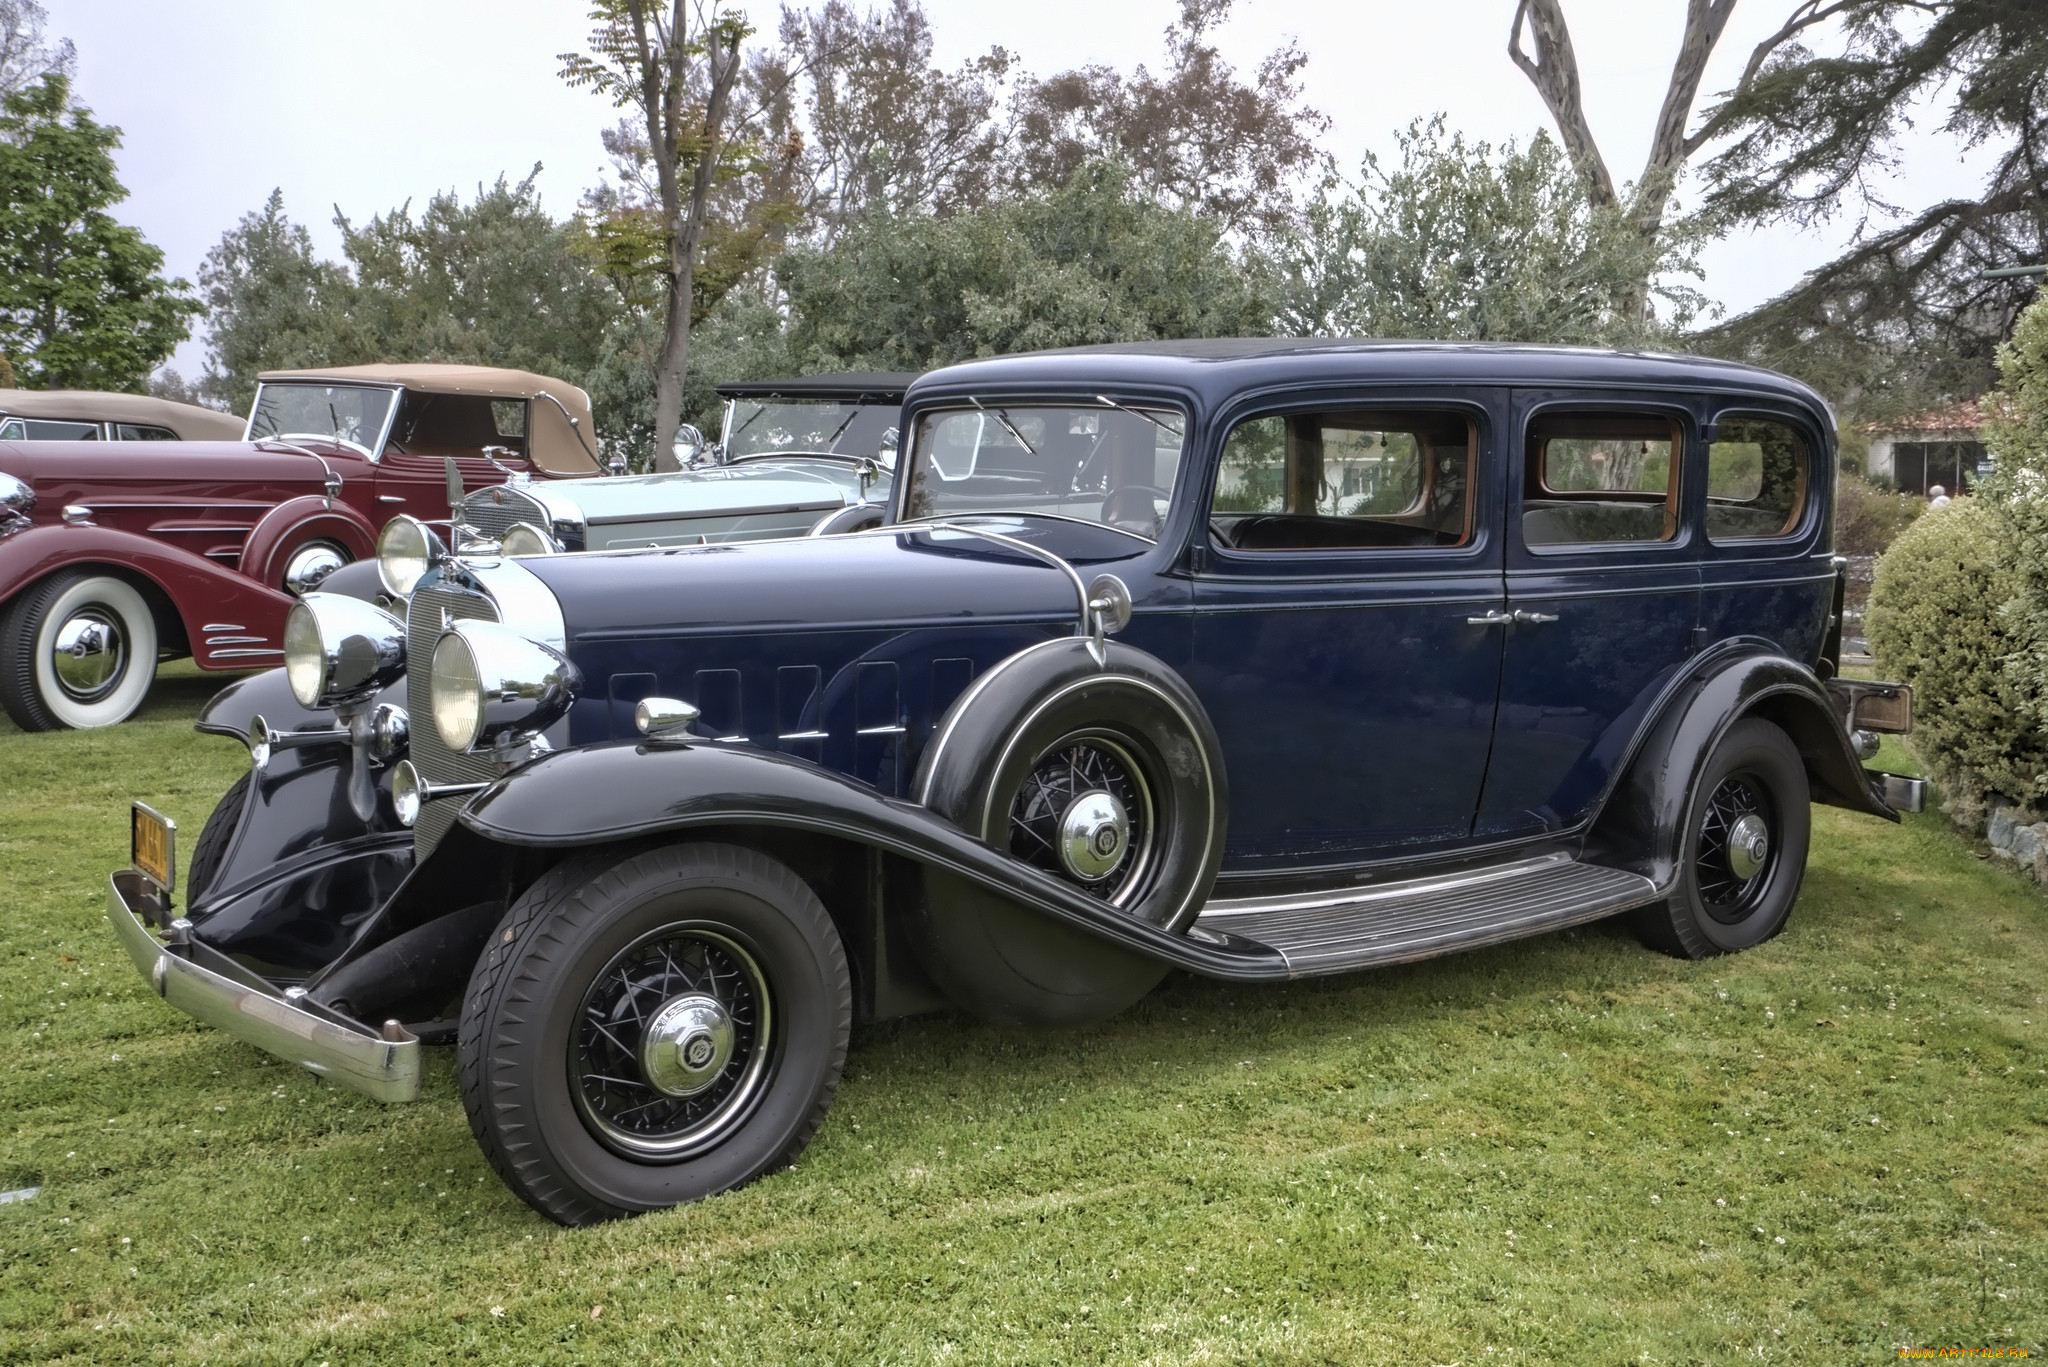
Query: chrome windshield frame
point(374, 452)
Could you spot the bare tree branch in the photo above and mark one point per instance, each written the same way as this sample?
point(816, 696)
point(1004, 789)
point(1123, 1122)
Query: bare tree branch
point(1554, 71)
point(1704, 20)
point(1804, 17)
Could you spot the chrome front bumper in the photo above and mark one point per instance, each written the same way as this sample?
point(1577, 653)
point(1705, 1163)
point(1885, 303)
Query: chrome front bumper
point(211, 987)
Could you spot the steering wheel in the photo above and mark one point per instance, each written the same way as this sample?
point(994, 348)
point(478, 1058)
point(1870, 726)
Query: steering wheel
point(1133, 506)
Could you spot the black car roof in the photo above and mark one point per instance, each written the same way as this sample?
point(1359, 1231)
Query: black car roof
point(1219, 366)
point(856, 386)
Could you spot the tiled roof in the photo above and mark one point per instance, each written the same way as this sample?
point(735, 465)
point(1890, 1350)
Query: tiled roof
point(1965, 416)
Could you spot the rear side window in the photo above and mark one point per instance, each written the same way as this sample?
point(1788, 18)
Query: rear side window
point(1595, 478)
point(45, 429)
point(1345, 479)
point(1756, 479)
point(129, 431)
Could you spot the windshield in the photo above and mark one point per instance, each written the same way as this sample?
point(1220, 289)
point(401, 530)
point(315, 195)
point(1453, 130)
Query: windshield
point(781, 427)
point(346, 412)
point(1111, 465)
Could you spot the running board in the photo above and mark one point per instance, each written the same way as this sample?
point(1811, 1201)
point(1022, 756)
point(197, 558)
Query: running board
point(1350, 928)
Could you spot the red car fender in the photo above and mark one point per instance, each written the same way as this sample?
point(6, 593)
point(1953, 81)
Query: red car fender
point(296, 521)
point(231, 621)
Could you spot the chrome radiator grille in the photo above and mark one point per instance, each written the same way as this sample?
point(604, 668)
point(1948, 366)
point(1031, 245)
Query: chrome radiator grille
point(433, 606)
point(493, 512)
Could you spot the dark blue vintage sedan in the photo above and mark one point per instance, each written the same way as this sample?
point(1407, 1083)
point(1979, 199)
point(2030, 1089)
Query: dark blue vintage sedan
point(1257, 659)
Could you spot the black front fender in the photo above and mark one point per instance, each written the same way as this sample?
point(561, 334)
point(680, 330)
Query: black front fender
point(607, 793)
point(1641, 826)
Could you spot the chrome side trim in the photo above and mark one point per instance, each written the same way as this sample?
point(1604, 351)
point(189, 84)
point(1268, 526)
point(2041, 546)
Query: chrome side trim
point(213, 988)
point(224, 626)
point(243, 652)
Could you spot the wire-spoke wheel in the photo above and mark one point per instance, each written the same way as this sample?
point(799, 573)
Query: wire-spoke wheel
point(1104, 775)
point(1085, 812)
point(1743, 848)
point(672, 1043)
point(648, 1028)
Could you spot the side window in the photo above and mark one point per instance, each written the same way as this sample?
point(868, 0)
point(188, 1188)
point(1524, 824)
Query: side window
point(1595, 478)
point(1756, 479)
point(13, 430)
point(437, 425)
point(128, 431)
point(1346, 479)
point(510, 416)
point(42, 429)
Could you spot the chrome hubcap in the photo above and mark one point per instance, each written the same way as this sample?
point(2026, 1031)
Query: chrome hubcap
point(1749, 844)
point(88, 654)
point(310, 565)
point(1085, 813)
point(671, 1049)
point(686, 1045)
point(1095, 833)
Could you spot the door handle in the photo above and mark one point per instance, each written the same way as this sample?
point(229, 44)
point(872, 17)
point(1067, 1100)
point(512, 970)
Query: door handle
point(1494, 618)
point(1531, 618)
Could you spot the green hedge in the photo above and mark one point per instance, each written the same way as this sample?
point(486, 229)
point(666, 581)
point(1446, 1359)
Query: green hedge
point(1937, 621)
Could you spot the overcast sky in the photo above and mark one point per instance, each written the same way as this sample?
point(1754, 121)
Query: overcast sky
point(367, 103)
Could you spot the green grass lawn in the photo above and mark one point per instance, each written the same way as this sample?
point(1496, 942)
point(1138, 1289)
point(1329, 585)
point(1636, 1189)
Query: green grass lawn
point(1568, 1150)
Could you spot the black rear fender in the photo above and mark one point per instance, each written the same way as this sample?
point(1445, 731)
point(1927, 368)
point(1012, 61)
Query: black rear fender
point(1640, 826)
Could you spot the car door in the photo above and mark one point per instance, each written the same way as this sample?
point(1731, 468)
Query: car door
point(1352, 543)
point(429, 429)
point(1603, 588)
point(1766, 568)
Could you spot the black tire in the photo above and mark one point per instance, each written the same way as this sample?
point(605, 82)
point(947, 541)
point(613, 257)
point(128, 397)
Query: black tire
point(33, 692)
point(1755, 772)
point(214, 838)
point(1013, 757)
point(545, 1006)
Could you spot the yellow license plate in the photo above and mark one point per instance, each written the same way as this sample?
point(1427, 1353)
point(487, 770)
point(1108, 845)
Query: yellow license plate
point(153, 846)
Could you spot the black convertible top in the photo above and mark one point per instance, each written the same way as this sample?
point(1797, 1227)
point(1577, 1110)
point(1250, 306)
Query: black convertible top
point(857, 386)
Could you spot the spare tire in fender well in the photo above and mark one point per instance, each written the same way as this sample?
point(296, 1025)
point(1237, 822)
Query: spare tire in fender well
point(1043, 707)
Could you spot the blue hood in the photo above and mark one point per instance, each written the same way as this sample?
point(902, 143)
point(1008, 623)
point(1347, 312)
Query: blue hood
point(889, 578)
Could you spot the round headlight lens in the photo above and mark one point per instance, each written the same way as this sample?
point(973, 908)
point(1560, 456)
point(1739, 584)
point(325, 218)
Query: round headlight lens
point(526, 539)
point(458, 693)
point(305, 659)
point(406, 550)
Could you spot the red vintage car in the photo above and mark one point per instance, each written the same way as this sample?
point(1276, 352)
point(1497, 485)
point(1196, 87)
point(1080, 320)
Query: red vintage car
point(117, 554)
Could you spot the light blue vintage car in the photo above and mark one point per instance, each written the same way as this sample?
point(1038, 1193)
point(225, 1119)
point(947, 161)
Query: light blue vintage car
point(797, 457)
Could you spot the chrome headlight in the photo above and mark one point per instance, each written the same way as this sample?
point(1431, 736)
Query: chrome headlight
point(339, 649)
point(17, 501)
point(526, 539)
point(491, 684)
point(406, 549)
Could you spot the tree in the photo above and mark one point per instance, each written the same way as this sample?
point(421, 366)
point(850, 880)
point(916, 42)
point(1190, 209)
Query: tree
point(680, 82)
point(25, 56)
point(1461, 242)
point(493, 282)
point(82, 301)
point(1902, 318)
point(889, 131)
point(1195, 137)
point(1093, 261)
point(272, 305)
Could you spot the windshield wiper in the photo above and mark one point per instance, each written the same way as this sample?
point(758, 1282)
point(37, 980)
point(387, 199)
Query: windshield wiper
point(1008, 426)
point(1160, 423)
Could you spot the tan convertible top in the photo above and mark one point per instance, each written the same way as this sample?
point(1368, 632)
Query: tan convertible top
point(189, 421)
point(557, 447)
